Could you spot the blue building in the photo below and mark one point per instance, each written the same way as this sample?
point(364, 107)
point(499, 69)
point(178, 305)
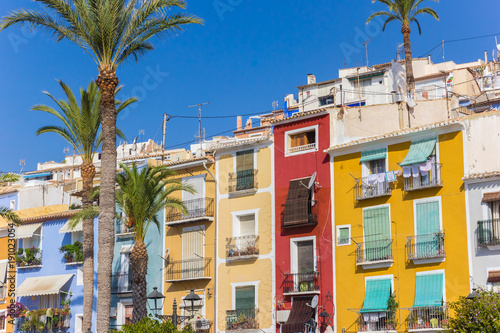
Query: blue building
point(9, 197)
point(47, 277)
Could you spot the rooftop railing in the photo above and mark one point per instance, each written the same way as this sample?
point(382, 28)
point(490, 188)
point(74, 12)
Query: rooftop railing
point(425, 246)
point(301, 282)
point(242, 180)
point(242, 247)
point(196, 208)
point(366, 190)
point(488, 232)
point(191, 269)
point(244, 319)
point(375, 251)
point(430, 318)
point(431, 179)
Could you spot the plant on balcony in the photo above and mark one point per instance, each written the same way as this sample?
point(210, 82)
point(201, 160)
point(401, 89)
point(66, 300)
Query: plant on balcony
point(27, 257)
point(392, 307)
point(72, 252)
point(152, 325)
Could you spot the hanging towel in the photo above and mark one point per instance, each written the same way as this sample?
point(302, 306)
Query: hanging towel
point(372, 179)
point(381, 177)
point(406, 171)
point(366, 317)
point(390, 176)
point(374, 317)
point(426, 167)
point(424, 173)
point(414, 170)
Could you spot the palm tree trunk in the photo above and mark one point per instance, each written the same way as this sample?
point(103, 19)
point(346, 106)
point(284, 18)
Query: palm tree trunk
point(107, 83)
point(410, 80)
point(88, 173)
point(139, 263)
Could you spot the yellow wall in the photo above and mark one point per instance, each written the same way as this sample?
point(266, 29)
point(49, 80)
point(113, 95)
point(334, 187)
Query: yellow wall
point(4, 253)
point(348, 211)
point(257, 269)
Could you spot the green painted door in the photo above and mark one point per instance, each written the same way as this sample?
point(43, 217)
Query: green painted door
point(428, 241)
point(377, 233)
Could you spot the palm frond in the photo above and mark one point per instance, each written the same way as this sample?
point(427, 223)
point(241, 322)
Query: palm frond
point(9, 177)
point(9, 215)
point(90, 212)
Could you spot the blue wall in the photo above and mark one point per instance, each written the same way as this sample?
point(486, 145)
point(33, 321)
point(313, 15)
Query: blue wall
point(53, 263)
point(6, 198)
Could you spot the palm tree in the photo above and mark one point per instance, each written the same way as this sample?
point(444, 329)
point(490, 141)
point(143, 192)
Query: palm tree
point(5, 212)
point(141, 195)
point(81, 129)
point(111, 32)
point(405, 11)
point(8, 178)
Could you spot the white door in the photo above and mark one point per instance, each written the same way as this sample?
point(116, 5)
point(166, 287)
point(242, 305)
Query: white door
point(194, 201)
point(193, 259)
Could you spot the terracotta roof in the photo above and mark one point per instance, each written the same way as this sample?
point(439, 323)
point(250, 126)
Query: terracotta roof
point(298, 115)
point(239, 143)
point(431, 76)
point(64, 167)
point(167, 152)
point(385, 64)
point(44, 213)
point(9, 189)
point(483, 175)
point(195, 159)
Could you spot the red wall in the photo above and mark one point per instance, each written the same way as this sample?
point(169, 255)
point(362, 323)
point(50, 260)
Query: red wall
point(300, 166)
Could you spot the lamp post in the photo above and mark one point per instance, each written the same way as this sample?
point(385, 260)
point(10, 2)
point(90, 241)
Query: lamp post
point(174, 318)
point(473, 295)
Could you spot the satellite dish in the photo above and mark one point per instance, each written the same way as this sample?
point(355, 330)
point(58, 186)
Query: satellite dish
point(411, 102)
point(498, 45)
point(311, 182)
point(314, 302)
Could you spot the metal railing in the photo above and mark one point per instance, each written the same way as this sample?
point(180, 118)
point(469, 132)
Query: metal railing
point(488, 232)
point(377, 321)
point(121, 228)
point(196, 208)
point(242, 180)
point(300, 282)
point(202, 324)
point(425, 246)
point(244, 319)
point(374, 251)
point(29, 260)
point(302, 148)
point(366, 190)
point(427, 317)
point(121, 283)
point(431, 179)
point(299, 213)
point(241, 247)
point(188, 269)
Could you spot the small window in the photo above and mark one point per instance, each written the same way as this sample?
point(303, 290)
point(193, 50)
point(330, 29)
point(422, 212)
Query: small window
point(376, 166)
point(302, 141)
point(129, 309)
point(326, 100)
point(245, 298)
point(343, 235)
point(3, 317)
point(12, 205)
point(77, 236)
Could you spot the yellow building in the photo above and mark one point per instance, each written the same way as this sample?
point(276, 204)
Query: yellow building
point(7, 272)
point(400, 225)
point(245, 234)
point(189, 244)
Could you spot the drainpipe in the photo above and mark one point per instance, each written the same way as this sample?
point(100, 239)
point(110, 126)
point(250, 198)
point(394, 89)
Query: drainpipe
point(215, 246)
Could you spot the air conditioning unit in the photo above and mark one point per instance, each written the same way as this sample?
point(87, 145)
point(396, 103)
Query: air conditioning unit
point(282, 316)
point(202, 324)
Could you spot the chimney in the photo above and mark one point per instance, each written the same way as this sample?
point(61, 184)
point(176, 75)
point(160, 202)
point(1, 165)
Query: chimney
point(429, 61)
point(248, 124)
point(485, 57)
point(311, 79)
point(239, 123)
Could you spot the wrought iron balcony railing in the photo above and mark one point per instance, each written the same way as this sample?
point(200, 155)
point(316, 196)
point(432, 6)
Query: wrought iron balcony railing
point(191, 269)
point(242, 180)
point(366, 190)
point(121, 283)
point(425, 246)
point(244, 319)
point(196, 208)
point(242, 247)
point(432, 179)
point(295, 213)
point(372, 252)
point(427, 318)
point(301, 282)
point(488, 232)
point(381, 321)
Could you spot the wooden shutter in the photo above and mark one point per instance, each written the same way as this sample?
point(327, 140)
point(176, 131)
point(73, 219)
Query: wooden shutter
point(377, 232)
point(245, 298)
point(297, 205)
point(305, 257)
point(192, 252)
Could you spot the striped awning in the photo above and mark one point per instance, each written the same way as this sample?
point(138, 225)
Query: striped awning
point(429, 290)
point(493, 276)
point(300, 314)
point(419, 151)
point(67, 227)
point(372, 155)
point(44, 285)
point(490, 197)
point(377, 295)
point(27, 230)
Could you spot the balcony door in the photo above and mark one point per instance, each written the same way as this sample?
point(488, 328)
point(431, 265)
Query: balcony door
point(194, 201)
point(244, 170)
point(428, 228)
point(246, 233)
point(124, 281)
point(377, 233)
point(193, 259)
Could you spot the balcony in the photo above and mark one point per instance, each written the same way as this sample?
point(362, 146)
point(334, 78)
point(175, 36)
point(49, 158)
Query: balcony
point(297, 213)
point(301, 283)
point(60, 319)
point(427, 318)
point(365, 190)
point(193, 269)
point(422, 248)
point(374, 254)
point(245, 319)
point(197, 209)
point(382, 321)
point(121, 283)
point(244, 181)
point(123, 231)
point(297, 149)
point(432, 179)
point(488, 234)
point(29, 258)
point(243, 247)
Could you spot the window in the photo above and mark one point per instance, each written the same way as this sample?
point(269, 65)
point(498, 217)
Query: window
point(420, 167)
point(79, 277)
point(193, 261)
point(77, 236)
point(301, 140)
point(244, 298)
point(299, 208)
point(194, 201)
point(129, 309)
point(428, 240)
point(326, 100)
point(49, 301)
point(377, 233)
point(376, 315)
point(245, 170)
point(79, 323)
point(3, 319)
point(343, 235)
point(3, 278)
point(12, 205)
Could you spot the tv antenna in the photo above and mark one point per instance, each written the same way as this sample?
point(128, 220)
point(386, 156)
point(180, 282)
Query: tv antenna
point(22, 163)
point(141, 133)
point(275, 105)
point(400, 46)
point(199, 117)
point(365, 44)
point(498, 47)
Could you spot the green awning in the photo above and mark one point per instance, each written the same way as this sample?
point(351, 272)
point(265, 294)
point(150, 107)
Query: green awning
point(372, 155)
point(429, 290)
point(377, 295)
point(419, 151)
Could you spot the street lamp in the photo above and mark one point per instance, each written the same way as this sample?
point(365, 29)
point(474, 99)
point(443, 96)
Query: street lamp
point(156, 297)
point(473, 295)
point(192, 297)
point(174, 318)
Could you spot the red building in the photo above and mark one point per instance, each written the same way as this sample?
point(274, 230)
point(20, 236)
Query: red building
point(304, 260)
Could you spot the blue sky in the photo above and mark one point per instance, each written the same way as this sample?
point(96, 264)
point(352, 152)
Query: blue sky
point(248, 54)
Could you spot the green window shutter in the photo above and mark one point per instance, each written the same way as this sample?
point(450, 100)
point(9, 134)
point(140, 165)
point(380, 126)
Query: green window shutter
point(377, 295)
point(419, 151)
point(429, 290)
point(244, 170)
point(343, 236)
point(372, 155)
point(427, 243)
point(245, 298)
point(377, 232)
